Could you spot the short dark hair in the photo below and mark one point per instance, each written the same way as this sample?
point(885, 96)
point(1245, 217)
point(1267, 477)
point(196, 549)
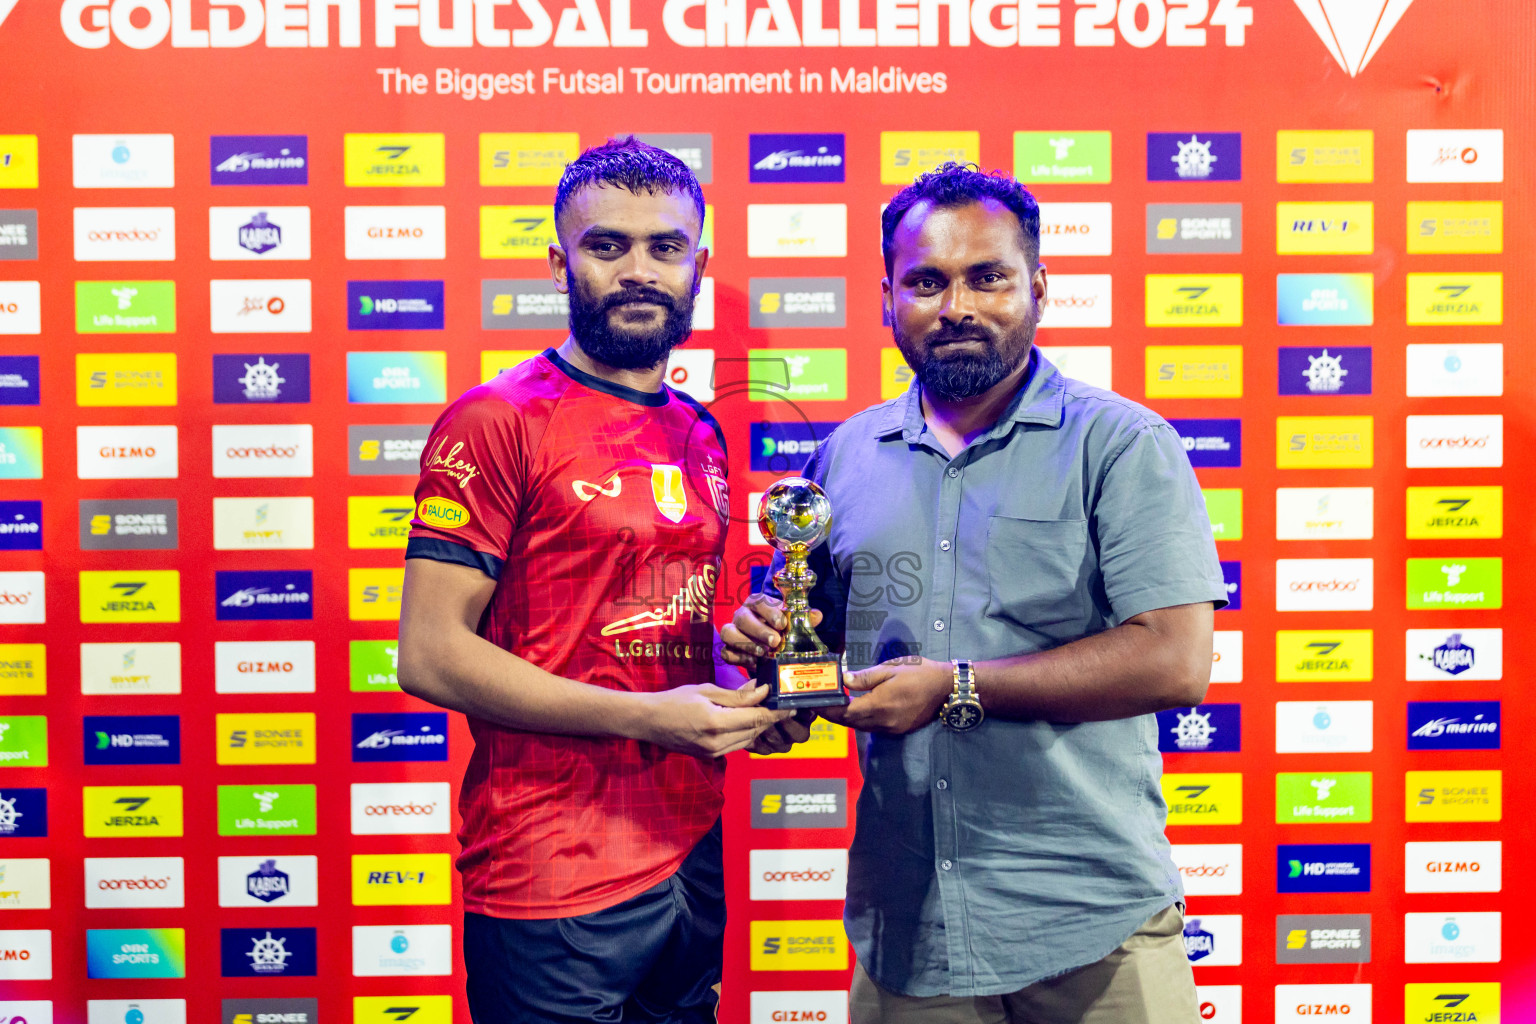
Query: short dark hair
point(632, 165)
point(954, 184)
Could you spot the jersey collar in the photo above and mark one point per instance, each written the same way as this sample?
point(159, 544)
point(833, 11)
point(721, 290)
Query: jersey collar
point(654, 399)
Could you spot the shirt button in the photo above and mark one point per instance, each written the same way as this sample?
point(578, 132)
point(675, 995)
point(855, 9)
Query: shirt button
point(938, 625)
point(944, 545)
point(946, 864)
point(942, 783)
point(953, 472)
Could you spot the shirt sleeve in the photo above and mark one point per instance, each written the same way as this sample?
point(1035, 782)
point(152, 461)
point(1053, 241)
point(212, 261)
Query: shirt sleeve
point(1154, 535)
point(472, 480)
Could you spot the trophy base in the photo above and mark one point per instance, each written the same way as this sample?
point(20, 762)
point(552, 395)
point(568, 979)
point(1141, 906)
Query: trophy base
point(807, 683)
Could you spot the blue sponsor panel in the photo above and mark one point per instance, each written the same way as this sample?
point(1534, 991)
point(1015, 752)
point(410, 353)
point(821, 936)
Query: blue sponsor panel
point(1454, 725)
point(784, 447)
point(403, 736)
point(23, 813)
point(1328, 370)
point(394, 305)
point(1211, 443)
point(1194, 156)
point(1325, 300)
point(132, 739)
point(261, 378)
point(264, 594)
point(259, 159)
point(1232, 577)
point(1206, 728)
point(267, 952)
point(18, 380)
point(1323, 867)
point(21, 526)
point(819, 157)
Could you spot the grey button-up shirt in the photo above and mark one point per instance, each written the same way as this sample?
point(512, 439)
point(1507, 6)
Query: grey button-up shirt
point(986, 861)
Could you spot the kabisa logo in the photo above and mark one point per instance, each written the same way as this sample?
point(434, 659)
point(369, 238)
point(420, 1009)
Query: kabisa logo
point(18, 381)
point(1331, 370)
point(410, 736)
point(1340, 867)
point(267, 952)
point(1454, 725)
point(132, 739)
point(261, 378)
point(21, 526)
point(1450, 653)
point(263, 233)
point(1353, 32)
point(267, 883)
point(1209, 727)
point(1198, 943)
point(1194, 156)
point(796, 158)
point(394, 305)
point(269, 594)
point(785, 447)
point(259, 235)
point(23, 813)
point(259, 159)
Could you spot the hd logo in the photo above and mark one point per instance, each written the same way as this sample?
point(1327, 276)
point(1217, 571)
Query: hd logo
point(1452, 1003)
point(517, 232)
point(526, 158)
point(112, 812)
point(1194, 300)
point(1340, 655)
point(149, 595)
point(1206, 799)
point(1455, 512)
point(394, 161)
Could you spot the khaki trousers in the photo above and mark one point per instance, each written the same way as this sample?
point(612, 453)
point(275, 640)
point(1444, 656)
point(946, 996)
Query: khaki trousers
point(1146, 981)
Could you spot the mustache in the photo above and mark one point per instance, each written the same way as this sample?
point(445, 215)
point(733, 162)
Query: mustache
point(947, 333)
point(651, 295)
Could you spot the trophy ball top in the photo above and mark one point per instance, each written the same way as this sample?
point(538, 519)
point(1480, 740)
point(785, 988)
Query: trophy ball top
point(794, 513)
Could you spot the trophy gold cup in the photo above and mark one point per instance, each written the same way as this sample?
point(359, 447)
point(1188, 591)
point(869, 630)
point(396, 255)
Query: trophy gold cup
point(794, 516)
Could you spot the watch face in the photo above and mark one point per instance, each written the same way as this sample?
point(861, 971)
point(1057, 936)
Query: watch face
point(962, 717)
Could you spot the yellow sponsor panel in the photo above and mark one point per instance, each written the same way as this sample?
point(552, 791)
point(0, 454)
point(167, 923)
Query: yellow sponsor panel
point(125, 378)
point(396, 159)
point(799, 946)
point(1447, 299)
point(275, 738)
point(493, 361)
point(1455, 796)
point(1346, 157)
point(1324, 442)
point(1456, 227)
point(1308, 228)
point(18, 161)
point(401, 879)
point(374, 594)
point(148, 595)
point(1194, 300)
point(1204, 799)
point(1435, 512)
point(517, 232)
point(23, 670)
point(1451, 1001)
point(379, 521)
point(895, 374)
point(1194, 371)
point(1316, 656)
point(827, 740)
point(113, 812)
point(401, 1009)
point(526, 158)
point(905, 155)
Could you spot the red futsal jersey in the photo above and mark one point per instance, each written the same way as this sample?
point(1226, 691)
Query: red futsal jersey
point(600, 511)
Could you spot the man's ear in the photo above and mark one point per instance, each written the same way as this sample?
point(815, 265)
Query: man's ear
point(559, 269)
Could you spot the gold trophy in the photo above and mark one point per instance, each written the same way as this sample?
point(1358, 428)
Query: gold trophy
point(795, 516)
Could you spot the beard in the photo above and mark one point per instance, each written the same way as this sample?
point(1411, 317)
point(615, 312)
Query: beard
point(965, 374)
point(628, 348)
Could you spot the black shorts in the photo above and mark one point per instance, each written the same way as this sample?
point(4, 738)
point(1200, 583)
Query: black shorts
point(654, 958)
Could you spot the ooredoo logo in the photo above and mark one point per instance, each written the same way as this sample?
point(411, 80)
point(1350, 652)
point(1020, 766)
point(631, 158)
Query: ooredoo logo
point(134, 882)
point(1210, 869)
point(799, 874)
point(400, 808)
point(263, 450)
point(1324, 584)
point(125, 233)
point(1455, 441)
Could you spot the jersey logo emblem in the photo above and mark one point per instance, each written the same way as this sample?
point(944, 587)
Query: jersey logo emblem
point(586, 491)
point(667, 490)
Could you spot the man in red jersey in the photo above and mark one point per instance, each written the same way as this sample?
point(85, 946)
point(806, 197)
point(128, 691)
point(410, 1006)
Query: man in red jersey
point(559, 583)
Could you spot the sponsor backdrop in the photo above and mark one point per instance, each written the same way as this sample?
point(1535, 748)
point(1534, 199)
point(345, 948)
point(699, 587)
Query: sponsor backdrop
point(247, 252)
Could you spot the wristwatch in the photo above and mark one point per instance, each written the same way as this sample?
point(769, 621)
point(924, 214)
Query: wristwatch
point(962, 712)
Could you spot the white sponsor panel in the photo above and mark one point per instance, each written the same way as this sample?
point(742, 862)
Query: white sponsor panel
point(21, 307)
point(1222, 1004)
point(124, 161)
point(1315, 1004)
point(1227, 656)
point(799, 874)
point(1075, 229)
point(704, 306)
point(259, 524)
point(396, 232)
point(263, 450)
point(266, 233)
point(1210, 869)
point(31, 1011)
point(1325, 513)
point(26, 954)
point(1324, 584)
point(23, 599)
point(692, 371)
point(120, 1011)
point(403, 950)
point(778, 1007)
point(1441, 938)
point(135, 882)
point(1453, 441)
point(1453, 653)
point(1453, 866)
point(259, 306)
point(1091, 364)
point(1455, 154)
point(1077, 300)
point(269, 880)
point(1323, 727)
point(754, 533)
point(400, 808)
point(264, 666)
point(125, 233)
point(147, 668)
point(1456, 371)
point(24, 884)
point(126, 453)
point(1223, 948)
point(797, 229)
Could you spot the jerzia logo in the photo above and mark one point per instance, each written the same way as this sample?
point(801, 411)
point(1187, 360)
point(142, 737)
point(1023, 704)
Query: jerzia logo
point(1353, 30)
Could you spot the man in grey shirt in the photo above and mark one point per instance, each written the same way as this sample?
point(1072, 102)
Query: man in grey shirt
point(1022, 568)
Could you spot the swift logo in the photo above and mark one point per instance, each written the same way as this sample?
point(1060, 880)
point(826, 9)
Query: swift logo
point(1351, 29)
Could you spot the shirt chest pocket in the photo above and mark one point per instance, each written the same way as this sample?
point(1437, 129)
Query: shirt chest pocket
point(1038, 574)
